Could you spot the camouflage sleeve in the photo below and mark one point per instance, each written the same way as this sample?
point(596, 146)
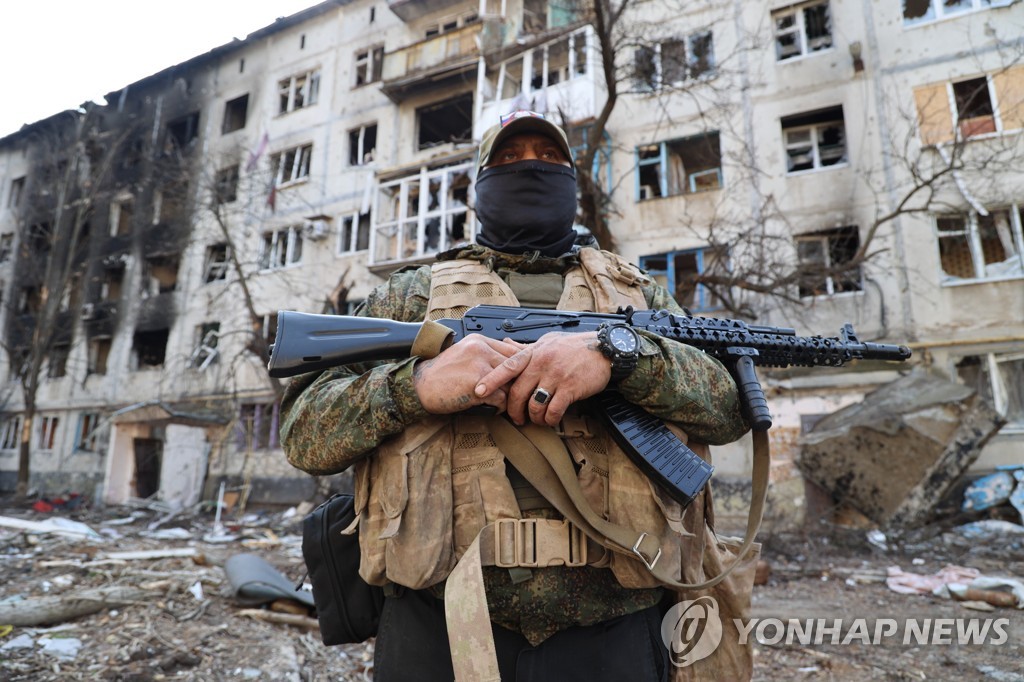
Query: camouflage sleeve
point(684, 385)
point(333, 418)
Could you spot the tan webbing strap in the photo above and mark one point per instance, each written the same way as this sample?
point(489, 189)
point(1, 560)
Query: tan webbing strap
point(469, 620)
point(431, 339)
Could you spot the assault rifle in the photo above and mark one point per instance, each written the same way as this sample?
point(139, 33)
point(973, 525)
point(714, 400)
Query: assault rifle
point(307, 342)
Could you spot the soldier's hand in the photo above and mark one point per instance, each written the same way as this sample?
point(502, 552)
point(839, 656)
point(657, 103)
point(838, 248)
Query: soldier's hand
point(568, 367)
point(445, 384)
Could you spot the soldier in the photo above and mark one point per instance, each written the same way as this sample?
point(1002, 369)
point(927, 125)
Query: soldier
point(434, 486)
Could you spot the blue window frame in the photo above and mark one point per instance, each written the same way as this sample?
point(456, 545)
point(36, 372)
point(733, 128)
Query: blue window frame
point(675, 271)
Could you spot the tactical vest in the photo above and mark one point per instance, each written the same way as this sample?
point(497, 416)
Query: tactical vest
point(424, 495)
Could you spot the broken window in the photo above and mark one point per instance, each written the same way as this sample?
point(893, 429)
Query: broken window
point(920, 11)
point(121, 217)
point(822, 256)
point(444, 122)
point(291, 165)
point(420, 214)
point(369, 64)
point(678, 271)
point(17, 189)
point(999, 379)
point(235, 112)
point(227, 184)
point(6, 247)
point(160, 274)
point(87, 436)
point(692, 164)
point(362, 145)
point(354, 233)
point(974, 112)
point(281, 248)
point(217, 261)
point(205, 353)
point(670, 62)
point(802, 29)
point(541, 15)
point(149, 348)
point(99, 351)
point(814, 140)
point(39, 236)
point(181, 132)
point(110, 286)
point(170, 201)
point(450, 24)
point(57, 360)
point(257, 426)
point(299, 91)
point(974, 246)
point(47, 432)
point(10, 432)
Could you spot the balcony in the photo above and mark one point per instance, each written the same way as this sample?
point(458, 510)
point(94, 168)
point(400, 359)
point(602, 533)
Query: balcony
point(411, 10)
point(430, 62)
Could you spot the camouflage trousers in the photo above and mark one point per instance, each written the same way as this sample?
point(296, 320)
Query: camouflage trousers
point(412, 645)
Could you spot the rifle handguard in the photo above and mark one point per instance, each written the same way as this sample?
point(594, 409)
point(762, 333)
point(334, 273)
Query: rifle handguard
point(432, 338)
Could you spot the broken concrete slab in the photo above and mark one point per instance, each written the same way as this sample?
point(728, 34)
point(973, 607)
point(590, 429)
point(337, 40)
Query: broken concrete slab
point(894, 455)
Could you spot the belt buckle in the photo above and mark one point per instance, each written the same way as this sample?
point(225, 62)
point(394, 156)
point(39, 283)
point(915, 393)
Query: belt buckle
point(537, 543)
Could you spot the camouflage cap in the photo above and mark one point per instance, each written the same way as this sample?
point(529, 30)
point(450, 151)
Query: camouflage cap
point(521, 122)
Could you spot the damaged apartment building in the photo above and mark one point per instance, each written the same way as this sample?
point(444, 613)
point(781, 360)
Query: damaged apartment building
point(297, 168)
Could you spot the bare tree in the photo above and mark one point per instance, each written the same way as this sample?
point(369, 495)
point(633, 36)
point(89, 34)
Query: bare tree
point(73, 158)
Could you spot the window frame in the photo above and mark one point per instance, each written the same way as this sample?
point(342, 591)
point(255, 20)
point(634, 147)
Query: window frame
point(298, 167)
point(10, 432)
point(216, 270)
point(272, 257)
point(825, 238)
point(47, 432)
point(346, 233)
point(971, 233)
point(16, 192)
point(86, 432)
point(298, 91)
point(249, 432)
point(813, 130)
point(686, 67)
point(799, 28)
point(359, 152)
point(702, 296)
point(664, 150)
point(368, 65)
point(939, 12)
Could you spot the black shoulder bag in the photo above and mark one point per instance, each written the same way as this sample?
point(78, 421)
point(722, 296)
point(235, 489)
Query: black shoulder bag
point(347, 608)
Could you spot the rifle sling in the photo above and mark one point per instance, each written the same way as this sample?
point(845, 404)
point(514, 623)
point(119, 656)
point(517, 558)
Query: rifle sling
point(539, 454)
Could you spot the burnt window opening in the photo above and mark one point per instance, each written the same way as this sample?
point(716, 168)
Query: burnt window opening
point(88, 425)
point(17, 189)
point(235, 113)
point(217, 262)
point(47, 433)
point(6, 247)
point(822, 257)
point(19, 358)
point(369, 65)
point(444, 122)
point(99, 352)
point(121, 213)
point(30, 300)
point(205, 353)
point(362, 145)
point(974, 110)
point(149, 348)
point(56, 363)
point(160, 275)
point(111, 285)
point(170, 201)
point(181, 132)
point(39, 238)
point(814, 140)
point(227, 184)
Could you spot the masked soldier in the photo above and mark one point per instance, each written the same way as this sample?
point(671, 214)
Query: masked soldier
point(445, 517)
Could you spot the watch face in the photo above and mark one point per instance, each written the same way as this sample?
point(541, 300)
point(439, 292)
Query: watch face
point(623, 339)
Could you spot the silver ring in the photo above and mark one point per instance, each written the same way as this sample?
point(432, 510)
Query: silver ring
point(541, 396)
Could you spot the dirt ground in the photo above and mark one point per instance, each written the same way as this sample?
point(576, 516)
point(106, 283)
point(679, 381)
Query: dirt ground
point(185, 624)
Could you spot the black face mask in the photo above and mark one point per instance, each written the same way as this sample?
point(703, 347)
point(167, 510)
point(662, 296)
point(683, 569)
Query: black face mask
point(527, 206)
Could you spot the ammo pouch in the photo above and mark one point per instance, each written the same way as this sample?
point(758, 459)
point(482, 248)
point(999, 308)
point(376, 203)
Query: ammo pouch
point(347, 608)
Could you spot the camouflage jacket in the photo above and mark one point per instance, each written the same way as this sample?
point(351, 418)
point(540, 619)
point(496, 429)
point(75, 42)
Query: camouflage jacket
point(333, 418)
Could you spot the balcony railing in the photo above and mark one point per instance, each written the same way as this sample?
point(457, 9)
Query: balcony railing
point(427, 62)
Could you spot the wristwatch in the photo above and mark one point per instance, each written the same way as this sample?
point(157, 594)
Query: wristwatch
point(621, 344)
